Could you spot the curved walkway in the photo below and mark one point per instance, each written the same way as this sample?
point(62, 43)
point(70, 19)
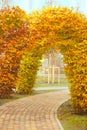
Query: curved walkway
point(37, 112)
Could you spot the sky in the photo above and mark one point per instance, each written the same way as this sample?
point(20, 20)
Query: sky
point(30, 5)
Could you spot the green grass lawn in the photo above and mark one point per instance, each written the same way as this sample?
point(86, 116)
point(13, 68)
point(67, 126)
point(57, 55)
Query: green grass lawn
point(69, 119)
point(43, 82)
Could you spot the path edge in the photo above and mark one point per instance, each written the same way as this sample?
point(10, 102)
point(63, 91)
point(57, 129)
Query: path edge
point(56, 117)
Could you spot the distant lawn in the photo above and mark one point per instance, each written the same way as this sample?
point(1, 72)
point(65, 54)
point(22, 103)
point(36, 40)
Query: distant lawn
point(51, 85)
point(70, 120)
point(43, 82)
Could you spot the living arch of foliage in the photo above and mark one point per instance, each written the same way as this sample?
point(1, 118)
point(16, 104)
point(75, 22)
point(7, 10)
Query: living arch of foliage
point(25, 38)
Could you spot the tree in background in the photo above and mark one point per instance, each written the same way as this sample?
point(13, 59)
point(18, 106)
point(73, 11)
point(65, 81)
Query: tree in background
point(5, 3)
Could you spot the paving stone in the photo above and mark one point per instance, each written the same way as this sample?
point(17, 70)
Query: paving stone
point(38, 112)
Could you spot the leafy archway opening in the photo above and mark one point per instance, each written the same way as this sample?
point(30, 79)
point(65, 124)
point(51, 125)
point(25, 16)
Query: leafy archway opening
point(51, 72)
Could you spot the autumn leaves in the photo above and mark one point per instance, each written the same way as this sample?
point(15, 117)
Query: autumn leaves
point(25, 38)
point(13, 41)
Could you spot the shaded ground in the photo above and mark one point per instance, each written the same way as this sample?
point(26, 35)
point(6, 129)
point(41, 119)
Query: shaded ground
point(18, 96)
point(13, 97)
point(69, 120)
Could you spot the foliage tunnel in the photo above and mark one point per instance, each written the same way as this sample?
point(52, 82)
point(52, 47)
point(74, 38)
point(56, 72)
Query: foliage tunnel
point(25, 38)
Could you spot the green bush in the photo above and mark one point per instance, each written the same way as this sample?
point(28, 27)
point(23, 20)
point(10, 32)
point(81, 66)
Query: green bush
point(27, 73)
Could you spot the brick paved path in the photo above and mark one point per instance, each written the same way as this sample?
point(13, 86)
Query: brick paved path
point(37, 112)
